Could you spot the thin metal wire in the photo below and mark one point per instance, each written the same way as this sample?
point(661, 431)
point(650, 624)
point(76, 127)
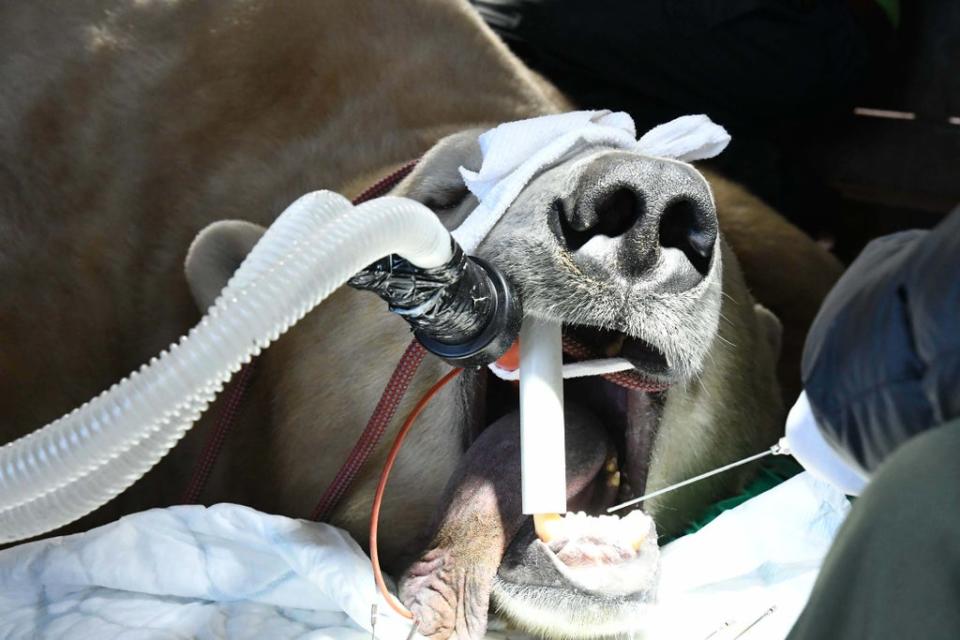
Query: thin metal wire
point(719, 629)
point(413, 630)
point(755, 622)
point(774, 450)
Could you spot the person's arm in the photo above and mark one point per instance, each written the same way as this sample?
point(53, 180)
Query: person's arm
point(882, 359)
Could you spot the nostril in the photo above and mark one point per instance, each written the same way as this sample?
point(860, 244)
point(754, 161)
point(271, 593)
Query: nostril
point(612, 214)
point(618, 212)
point(686, 226)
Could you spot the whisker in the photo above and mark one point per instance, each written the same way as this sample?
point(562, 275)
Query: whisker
point(732, 345)
point(729, 297)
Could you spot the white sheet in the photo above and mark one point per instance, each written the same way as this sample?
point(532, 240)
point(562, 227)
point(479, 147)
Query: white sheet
point(192, 572)
point(765, 553)
point(231, 572)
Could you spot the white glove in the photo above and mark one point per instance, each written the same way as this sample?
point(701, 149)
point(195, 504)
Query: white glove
point(804, 440)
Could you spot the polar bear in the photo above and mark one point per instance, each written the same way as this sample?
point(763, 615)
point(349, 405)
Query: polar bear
point(133, 131)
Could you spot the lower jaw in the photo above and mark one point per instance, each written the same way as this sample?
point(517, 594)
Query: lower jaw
point(530, 591)
point(562, 611)
point(549, 605)
point(533, 583)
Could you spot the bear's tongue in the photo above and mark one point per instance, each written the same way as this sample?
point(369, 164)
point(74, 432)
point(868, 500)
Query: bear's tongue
point(448, 588)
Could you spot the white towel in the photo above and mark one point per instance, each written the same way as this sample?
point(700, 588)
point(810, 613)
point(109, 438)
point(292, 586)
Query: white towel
point(514, 152)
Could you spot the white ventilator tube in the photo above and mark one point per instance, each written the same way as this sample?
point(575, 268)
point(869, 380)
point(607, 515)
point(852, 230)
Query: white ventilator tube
point(77, 463)
point(542, 451)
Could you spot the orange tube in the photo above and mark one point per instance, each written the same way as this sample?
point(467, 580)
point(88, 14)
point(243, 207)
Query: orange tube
point(394, 603)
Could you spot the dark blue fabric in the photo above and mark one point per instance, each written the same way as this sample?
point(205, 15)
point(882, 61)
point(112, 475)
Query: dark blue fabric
point(882, 359)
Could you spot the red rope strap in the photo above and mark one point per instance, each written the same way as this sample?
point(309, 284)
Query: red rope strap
point(392, 395)
point(630, 379)
point(237, 388)
point(215, 439)
point(385, 185)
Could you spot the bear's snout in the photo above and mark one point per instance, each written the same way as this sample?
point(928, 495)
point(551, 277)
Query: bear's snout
point(640, 217)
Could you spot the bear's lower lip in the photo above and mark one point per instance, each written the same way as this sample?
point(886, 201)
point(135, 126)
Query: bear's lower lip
point(605, 570)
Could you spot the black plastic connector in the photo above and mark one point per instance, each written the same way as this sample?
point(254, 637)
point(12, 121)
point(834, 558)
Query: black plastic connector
point(465, 312)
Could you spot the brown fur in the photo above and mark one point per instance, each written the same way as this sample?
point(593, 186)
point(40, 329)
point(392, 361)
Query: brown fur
point(127, 127)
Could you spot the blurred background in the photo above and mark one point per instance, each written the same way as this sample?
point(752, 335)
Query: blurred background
point(845, 114)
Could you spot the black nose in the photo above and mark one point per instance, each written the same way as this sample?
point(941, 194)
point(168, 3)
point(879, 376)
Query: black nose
point(649, 217)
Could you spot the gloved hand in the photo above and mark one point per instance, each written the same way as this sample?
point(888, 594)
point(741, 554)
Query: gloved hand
point(882, 359)
point(804, 441)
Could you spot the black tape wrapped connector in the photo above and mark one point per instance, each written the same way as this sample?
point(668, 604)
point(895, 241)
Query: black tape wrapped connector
point(465, 311)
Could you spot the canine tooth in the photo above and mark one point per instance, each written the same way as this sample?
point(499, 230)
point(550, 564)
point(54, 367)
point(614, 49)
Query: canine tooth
point(614, 348)
point(630, 524)
point(580, 524)
point(635, 527)
point(614, 479)
point(549, 526)
point(637, 542)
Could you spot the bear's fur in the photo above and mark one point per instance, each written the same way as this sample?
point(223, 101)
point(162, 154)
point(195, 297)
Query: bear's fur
point(127, 127)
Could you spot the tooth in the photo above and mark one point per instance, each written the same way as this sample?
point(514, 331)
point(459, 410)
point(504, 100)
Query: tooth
point(635, 527)
point(611, 465)
point(631, 530)
point(549, 526)
point(614, 479)
point(614, 348)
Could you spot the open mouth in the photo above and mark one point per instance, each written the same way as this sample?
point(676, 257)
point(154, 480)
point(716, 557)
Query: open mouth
point(650, 364)
point(587, 555)
point(628, 405)
point(586, 572)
